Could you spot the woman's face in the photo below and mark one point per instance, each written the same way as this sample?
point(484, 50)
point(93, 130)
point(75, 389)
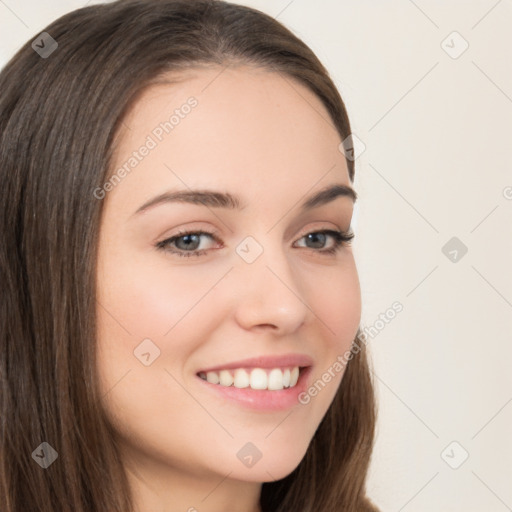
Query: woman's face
point(255, 286)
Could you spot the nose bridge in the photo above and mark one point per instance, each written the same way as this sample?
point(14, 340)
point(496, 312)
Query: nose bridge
point(269, 291)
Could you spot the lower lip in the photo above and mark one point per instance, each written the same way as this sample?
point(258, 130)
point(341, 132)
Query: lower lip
point(263, 399)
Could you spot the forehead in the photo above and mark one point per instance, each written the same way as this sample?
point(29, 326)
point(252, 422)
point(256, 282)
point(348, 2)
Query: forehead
point(248, 128)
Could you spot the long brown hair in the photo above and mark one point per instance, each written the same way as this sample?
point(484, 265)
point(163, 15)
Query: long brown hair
point(59, 116)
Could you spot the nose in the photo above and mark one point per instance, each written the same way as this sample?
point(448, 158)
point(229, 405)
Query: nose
point(269, 294)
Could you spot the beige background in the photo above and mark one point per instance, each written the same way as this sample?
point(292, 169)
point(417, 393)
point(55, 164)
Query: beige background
point(436, 165)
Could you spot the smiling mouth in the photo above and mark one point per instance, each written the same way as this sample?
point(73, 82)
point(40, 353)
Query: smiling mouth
point(271, 379)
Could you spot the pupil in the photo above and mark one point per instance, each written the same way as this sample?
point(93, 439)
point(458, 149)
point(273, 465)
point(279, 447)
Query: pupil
point(188, 239)
point(317, 236)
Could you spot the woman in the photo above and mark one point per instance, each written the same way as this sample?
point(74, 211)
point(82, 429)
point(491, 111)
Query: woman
point(181, 303)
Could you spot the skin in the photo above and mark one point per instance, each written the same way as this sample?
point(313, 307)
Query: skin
point(269, 140)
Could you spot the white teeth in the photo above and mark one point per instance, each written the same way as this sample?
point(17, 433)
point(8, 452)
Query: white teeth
point(226, 379)
point(212, 377)
point(257, 378)
point(241, 379)
point(275, 379)
point(286, 378)
point(294, 376)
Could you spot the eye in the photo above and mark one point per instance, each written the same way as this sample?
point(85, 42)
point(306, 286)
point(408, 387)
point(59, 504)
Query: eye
point(318, 238)
point(187, 243)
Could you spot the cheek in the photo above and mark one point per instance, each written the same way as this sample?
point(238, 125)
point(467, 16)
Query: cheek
point(140, 301)
point(150, 300)
point(334, 296)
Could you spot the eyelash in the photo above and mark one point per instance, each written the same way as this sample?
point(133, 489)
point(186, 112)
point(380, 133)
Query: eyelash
point(341, 239)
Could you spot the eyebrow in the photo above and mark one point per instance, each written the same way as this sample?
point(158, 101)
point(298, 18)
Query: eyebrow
point(215, 199)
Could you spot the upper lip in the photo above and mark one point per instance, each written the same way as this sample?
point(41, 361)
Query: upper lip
point(282, 361)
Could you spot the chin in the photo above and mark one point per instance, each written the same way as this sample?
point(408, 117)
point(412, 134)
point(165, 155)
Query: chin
point(272, 471)
point(274, 464)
